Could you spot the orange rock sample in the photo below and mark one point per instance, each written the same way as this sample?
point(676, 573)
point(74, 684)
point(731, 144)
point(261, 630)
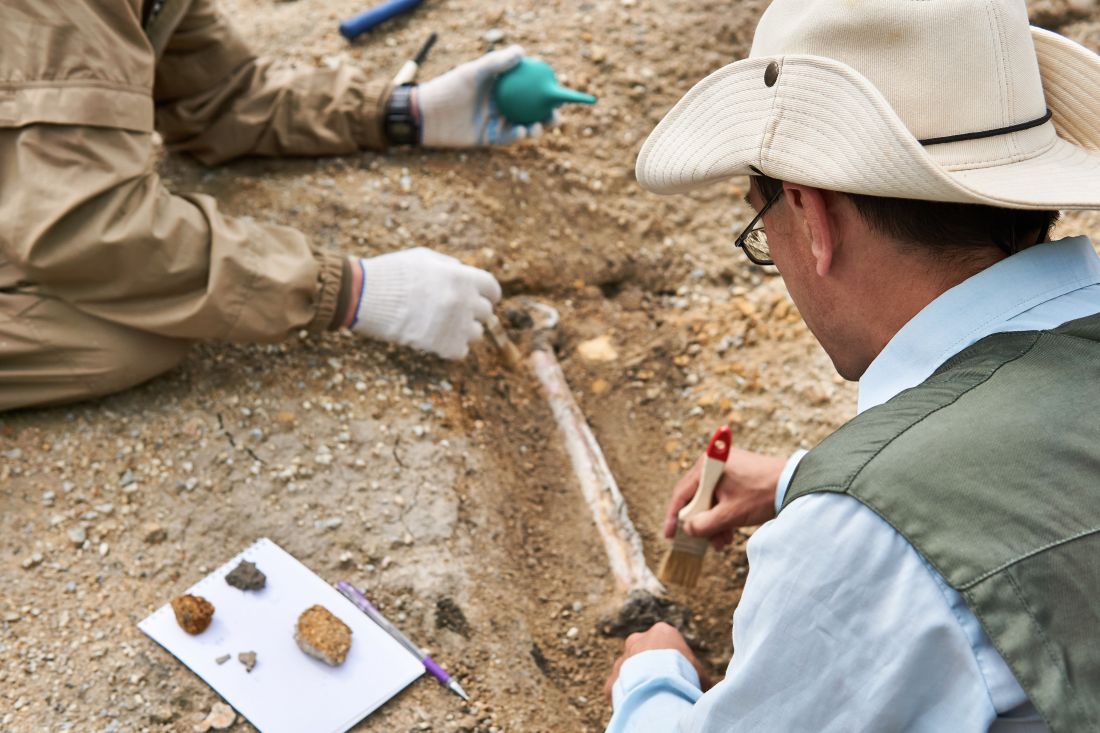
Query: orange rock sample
point(193, 613)
point(322, 635)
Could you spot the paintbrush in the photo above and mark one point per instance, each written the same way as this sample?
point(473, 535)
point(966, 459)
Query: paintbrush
point(508, 350)
point(408, 71)
point(685, 559)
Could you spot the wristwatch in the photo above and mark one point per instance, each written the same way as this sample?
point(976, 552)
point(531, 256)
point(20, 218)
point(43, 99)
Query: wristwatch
point(402, 123)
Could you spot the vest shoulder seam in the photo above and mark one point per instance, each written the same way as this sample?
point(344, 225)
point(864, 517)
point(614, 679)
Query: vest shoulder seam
point(1027, 556)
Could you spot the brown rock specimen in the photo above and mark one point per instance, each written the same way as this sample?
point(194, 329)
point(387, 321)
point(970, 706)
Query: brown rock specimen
point(193, 613)
point(322, 635)
point(246, 576)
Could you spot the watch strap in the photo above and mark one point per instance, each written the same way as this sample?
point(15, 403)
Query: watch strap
point(402, 123)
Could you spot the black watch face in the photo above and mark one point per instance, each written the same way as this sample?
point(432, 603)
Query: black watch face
point(401, 131)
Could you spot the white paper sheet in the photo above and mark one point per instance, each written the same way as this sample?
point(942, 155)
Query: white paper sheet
point(287, 691)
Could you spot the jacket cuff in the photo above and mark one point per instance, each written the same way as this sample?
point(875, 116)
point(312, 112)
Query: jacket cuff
point(372, 129)
point(655, 664)
point(329, 282)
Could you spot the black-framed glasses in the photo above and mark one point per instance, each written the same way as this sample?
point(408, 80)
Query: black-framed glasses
point(754, 241)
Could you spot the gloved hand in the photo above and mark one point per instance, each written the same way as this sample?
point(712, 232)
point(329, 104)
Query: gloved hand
point(457, 109)
point(424, 299)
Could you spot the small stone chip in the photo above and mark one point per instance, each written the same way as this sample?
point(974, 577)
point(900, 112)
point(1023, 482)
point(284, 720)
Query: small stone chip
point(322, 635)
point(246, 576)
point(155, 534)
point(193, 613)
point(248, 659)
point(222, 659)
point(221, 717)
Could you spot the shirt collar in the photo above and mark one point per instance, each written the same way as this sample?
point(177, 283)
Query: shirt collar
point(974, 309)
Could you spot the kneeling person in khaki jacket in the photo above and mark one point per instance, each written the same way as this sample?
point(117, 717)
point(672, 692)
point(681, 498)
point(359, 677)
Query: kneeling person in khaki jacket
point(106, 277)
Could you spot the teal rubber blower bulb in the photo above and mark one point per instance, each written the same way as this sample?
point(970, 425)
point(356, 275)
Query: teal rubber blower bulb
point(530, 93)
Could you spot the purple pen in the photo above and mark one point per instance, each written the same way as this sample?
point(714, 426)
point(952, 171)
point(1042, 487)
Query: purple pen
point(353, 594)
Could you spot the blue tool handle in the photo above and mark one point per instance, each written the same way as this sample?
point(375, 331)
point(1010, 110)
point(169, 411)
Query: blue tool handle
point(368, 19)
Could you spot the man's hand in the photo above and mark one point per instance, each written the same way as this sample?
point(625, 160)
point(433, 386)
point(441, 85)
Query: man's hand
point(744, 497)
point(423, 299)
point(659, 636)
point(457, 109)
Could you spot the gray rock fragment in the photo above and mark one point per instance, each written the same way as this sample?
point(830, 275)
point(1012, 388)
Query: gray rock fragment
point(246, 576)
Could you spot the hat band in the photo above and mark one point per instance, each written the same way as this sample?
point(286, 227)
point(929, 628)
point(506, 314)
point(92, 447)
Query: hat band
point(988, 133)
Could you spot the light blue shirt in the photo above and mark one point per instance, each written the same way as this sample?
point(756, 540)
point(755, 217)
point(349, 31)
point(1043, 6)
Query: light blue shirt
point(842, 625)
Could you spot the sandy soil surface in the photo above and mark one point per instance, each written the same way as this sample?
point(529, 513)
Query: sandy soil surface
point(440, 488)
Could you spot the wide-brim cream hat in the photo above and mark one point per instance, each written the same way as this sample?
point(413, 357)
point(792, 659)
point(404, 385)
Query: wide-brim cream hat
point(942, 100)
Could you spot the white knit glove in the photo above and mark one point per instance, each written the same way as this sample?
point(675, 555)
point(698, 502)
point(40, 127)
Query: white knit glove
point(426, 300)
point(457, 109)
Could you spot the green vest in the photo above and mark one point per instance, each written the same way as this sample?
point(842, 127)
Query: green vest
point(991, 470)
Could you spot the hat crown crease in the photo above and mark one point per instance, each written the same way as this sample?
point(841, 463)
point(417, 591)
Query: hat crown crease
point(947, 67)
point(857, 92)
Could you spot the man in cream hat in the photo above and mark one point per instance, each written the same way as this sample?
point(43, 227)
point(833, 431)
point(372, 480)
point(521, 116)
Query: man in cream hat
point(932, 565)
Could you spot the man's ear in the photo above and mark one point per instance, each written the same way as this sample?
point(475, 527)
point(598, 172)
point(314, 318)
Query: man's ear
point(811, 206)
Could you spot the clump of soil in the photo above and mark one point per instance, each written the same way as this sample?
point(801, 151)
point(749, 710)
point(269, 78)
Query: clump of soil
point(449, 616)
point(323, 636)
point(193, 613)
point(246, 576)
point(641, 611)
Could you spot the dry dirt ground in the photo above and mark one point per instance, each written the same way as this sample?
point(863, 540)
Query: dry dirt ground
point(441, 488)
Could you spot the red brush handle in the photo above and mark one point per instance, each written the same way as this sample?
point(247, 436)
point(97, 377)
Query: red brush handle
point(719, 448)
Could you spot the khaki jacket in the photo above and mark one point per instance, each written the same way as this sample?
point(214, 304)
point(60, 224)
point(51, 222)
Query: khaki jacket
point(84, 217)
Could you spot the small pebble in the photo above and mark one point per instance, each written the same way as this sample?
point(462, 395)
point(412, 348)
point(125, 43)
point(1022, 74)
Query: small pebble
point(155, 534)
point(248, 659)
point(33, 560)
point(221, 717)
point(222, 659)
point(494, 35)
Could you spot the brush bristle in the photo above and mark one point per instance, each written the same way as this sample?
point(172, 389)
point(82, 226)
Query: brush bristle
point(683, 562)
point(511, 355)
